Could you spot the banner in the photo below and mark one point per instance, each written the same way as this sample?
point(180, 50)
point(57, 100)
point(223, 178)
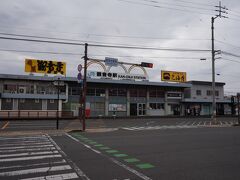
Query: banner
point(44, 66)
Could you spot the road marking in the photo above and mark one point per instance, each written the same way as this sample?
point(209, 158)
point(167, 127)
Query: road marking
point(24, 147)
point(30, 158)
point(29, 150)
point(31, 165)
point(36, 170)
point(23, 144)
point(139, 174)
point(120, 155)
point(5, 125)
point(145, 166)
point(111, 151)
point(131, 160)
point(55, 177)
point(26, 154)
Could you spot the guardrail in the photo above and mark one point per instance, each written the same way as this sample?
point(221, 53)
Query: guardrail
point(22, 114)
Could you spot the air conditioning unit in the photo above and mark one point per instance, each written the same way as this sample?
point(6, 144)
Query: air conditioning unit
point(22, 90)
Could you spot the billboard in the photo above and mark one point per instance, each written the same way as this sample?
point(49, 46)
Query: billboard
point(173, 76)
point(45, 66)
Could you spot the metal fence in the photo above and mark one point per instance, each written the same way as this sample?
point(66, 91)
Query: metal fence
point(22, 114)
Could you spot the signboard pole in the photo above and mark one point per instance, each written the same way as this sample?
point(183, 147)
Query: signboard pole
point(85, 87)
point(58, 102)
point(238, 96)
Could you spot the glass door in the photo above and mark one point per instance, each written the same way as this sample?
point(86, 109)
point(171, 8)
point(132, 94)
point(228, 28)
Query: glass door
point(141, 109)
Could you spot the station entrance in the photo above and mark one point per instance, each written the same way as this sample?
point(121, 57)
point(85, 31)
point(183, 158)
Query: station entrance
point(137, 109)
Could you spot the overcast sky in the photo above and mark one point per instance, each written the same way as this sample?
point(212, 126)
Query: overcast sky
point(160, 23)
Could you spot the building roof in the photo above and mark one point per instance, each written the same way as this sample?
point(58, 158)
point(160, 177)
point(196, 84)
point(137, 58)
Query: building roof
point(102, 81)
point(208, 83)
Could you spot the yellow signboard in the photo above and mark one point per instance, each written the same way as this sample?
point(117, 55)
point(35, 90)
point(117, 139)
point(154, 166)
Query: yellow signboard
point(44, 66)
point(173, 76)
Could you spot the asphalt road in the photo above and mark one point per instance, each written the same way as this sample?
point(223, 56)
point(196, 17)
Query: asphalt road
point(127, 124)
point(203, 153)
point(173, 154)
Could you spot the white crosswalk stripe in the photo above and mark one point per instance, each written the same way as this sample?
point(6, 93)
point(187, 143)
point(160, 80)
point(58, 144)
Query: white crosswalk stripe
point(33, 158)
point(181, 125)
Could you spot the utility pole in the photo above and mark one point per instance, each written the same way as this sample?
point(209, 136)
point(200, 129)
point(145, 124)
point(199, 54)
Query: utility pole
point(221, 10)
point(84, 87)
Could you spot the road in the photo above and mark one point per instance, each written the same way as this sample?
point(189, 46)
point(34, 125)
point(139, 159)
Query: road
point(195, 152)
point(127, 124)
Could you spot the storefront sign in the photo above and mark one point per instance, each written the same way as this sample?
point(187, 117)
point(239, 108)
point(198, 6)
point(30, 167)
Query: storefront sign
point(44, 66)
point(116, 76)
point(173, 76)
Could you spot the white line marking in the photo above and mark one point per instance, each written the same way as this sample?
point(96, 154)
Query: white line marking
point(194, 123)
point(24, 144)
point(75, 167)
point(36, 170)
point(23, 138)
point(139, 174)
point(30, 158)
point(31, 165)
point(28, 150)
point(55, 177)
point(28, 154)
point(23, 147)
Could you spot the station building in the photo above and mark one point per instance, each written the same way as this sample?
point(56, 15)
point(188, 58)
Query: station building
point(29, 94)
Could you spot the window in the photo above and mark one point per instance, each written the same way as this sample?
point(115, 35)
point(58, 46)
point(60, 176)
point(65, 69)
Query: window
point(209, 93)
point(133, 92)
point(36, 100)
point(22, 100)
point(216, 93)
point(8, 100)
point(142, 93)
point(156, 106)
point(122, 92)
point(90, 92)
point(113, 92)
point(75, 91)
point(198, 92)
point(51, 101)
point(100, 92)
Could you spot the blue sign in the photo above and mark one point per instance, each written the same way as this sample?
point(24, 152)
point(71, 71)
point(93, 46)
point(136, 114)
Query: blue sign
point(111, 61)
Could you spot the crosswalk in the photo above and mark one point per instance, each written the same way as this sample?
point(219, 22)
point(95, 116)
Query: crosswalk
point(181, 125)
point(34, 158)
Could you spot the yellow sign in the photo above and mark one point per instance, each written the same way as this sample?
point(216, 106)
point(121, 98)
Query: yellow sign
point(44, 66)
point(173, 76)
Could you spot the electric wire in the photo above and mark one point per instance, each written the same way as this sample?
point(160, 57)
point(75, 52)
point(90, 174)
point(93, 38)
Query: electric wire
point(178, 5)
point(164, 7)
point(106, 45)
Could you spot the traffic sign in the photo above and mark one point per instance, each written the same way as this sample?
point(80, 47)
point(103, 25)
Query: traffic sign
point(79, 76)
point(79, 68)
point(111, 61)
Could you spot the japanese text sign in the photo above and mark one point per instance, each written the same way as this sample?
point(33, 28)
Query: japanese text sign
point(44, 66)
point(173, 76)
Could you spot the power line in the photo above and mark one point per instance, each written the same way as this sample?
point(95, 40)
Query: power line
point(163, 7)
point(178, 5)
point(102, 35)
point(106, 45)
point(230, 54)
point(223, 42)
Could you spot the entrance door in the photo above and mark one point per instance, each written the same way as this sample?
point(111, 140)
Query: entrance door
point(141, 109)
point(133, 109)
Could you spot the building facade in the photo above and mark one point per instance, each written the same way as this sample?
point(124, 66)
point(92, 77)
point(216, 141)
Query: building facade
point(108, 97)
